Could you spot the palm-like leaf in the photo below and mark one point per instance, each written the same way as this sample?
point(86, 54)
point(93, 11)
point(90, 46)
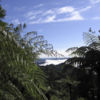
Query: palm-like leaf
point(20, 70)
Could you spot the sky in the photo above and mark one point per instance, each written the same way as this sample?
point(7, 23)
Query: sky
point(61, 22)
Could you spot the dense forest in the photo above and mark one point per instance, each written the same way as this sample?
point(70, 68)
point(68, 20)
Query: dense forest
point(78, 78)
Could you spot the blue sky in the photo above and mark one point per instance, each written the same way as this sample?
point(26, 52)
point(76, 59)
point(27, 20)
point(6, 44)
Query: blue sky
point(62, 22)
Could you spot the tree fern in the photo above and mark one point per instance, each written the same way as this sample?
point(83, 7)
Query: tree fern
point(19, 69)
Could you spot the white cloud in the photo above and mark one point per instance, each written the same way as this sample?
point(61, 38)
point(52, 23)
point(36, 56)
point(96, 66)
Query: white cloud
point(39, 5)
point(94, 1)
point(33, 13)
point(85, 9)
point(96, 18)
point(47, 20)
point(29, 14)
point(65, 9)
point(32, 17)
point(63, 52)
point(48, 12)
point(15, 21)
point(68, 13)
point(50, 19)
point(76, 16)
point(54, 62)
point(38, 21)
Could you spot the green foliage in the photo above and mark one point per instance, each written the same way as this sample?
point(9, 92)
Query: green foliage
point(62, 81)
point(20, 78)
point(81, 98)
point(88, 62)
point(2, 12)
point(23, 78)
point(2, 15)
